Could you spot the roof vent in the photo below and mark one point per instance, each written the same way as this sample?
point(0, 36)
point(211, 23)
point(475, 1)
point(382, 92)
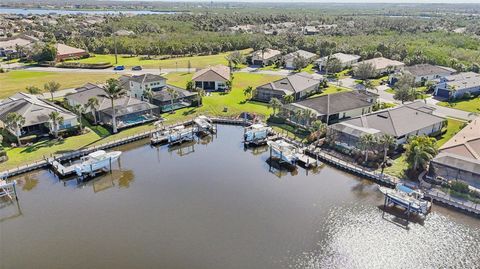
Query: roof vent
point(382, 116)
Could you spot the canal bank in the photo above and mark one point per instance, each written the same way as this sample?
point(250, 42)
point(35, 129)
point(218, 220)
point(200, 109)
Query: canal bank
point(214, 204)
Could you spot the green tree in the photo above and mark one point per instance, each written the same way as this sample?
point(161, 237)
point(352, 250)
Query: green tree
point(364, 71)
point(14, 122)
point(299, 63)
point(333, 65)
point(148, 93)
point(420, 150)
point(404, 95)
point(275, 104)
point(33, 90)
point(190, 85)
point(55, 120)
point(236, 58)
point(114, 91)
point(387, 141)
point(248, 91)
point(80, 110)
point(200, 95)
point(173, 95)
point(51, 87)
point(93, 105)
point(367, 142)
point(289, 98)
point(317, 130)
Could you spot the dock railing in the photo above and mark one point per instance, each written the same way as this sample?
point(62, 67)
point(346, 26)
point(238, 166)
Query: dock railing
point(447, 199)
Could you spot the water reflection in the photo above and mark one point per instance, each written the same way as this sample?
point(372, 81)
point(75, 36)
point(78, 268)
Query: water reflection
point(29, 181)
point(120, 178)
point(183, 149)
point(9, 210)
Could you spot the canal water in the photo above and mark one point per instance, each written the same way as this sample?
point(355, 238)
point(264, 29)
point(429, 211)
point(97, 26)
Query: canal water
point(213, 204)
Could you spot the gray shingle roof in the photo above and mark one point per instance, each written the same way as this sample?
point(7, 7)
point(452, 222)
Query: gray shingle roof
point(458, 162)
point(338, 102)
point(397, 121)
point(300, 53)
point(164, 96)
point(421, 70)
point(144, 78)
point(293, 83)
point(34, 110)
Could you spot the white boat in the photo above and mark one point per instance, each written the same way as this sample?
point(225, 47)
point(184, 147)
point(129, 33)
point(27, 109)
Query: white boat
point(283, 151)
point(180, 134)
point(204, 124)
point(256, 132)
point(407, 198)
point(95, 161)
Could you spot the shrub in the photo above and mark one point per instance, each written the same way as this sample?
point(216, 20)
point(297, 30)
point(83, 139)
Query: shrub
point(459, 186)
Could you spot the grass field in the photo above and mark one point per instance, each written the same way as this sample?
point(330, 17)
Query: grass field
point(15, 81)
point(180, 62)
point(400, 165)
point(330, 90)
point(212, 105)
point(472, 105)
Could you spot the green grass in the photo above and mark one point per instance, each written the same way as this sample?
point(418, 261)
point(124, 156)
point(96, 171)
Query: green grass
point(309, 69)
point(331, 89)
point(377, 82)
point(472, 105)
point(180, 62)
point(272, 67)
point(15, 81)
point(212, 105)
point(400, 165)
point(390, 90)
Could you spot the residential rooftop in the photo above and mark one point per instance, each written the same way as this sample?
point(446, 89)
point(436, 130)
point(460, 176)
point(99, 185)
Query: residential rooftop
point(269, 53)
point(213, 73)
point(293, 83)
point(381, 63)
point(466, 142)
point(420, 70)
point(300, 53)
point(342, 57)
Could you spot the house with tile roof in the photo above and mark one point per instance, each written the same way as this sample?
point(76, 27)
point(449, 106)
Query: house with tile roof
point(400, 122)
point(65, 52)
point(299, 85)
point(428, 72)
point(289, 58)
point(459, 157)
point(129, 111)
point(36, 113)
point(213, 78)
point(266, 57)
point(382, 65)
point(332, 108)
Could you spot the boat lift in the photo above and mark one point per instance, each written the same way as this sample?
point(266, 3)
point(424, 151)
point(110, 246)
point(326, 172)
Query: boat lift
point(256, 134)
point(8, 190)
point(286, 153)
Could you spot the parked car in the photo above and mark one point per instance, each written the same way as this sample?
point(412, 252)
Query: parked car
point(119, 68)
point(137, 68)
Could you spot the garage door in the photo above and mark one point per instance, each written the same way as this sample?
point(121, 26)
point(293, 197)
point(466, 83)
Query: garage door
point(443, 93)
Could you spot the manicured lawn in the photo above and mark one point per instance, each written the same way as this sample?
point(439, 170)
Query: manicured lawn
point(331, 89)
point(309, 69)
point(179, 79)
point(180, 62)
point(15, 81)
point(453, 127)
point(398, 167)
point(212, 105)
point(472, 105)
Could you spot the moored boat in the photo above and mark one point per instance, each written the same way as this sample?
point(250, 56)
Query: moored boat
point(410, 199)
point(283, 151)
point(256, 132)
point(95, 161)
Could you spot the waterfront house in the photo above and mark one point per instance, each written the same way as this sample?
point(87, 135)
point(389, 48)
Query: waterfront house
point(290, 58)
point(299, 85)
point(129, 111)
point(266, 57)
point(459, 157)
point(181, 99)
point(383, 65)
point(65, 52)
point(36, 113)
point(456, 86)
point(332, 108)
point(346, 60)
point(400, 122)
point(213, 78)
point(136, 85)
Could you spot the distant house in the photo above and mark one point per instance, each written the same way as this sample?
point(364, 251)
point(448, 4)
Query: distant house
point(428, 72)
point(459, 157)
point(346, 60)
point(400, 122)
point(212, 78)
point(136, 85)
point(12, 48)
point(129, 111)
point(383, 65)
point(267, 57)
point(310, 30)
point(289, 58)
point(65, 52)
point(36, 113)
point(298, 85)
point(333, 108)
point(458, 85)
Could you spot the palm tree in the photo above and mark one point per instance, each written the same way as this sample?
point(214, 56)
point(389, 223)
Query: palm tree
point(173, 95)
point(368, 84)
point(32, 90)
point(367, 141)
point(51, 87)
point(148, 93)
point(318, 129)
point(275, 104)
point(387, 141)
point(56, 120)
point(420, 150)
point(298, 116)
point(80, 110)
point(200, 95)
point(248, 92)
point(288, 99)
point(15, 122)
point(93, 105)
point(307, 113)
point(113, 91)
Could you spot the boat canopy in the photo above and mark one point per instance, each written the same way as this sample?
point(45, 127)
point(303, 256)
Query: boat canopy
point(97, 154)
point(405, 189)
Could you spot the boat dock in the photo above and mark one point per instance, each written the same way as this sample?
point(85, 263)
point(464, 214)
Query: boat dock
point(60, 169)
point(8, 190)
